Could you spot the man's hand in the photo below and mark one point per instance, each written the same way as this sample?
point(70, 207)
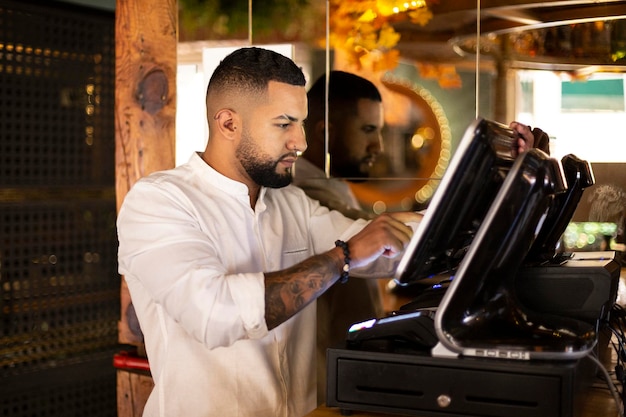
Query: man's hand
point(526, 140)
point(290, 290)
point(386, 235)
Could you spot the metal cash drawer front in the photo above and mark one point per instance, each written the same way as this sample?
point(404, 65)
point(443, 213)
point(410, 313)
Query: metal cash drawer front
point(442, 391)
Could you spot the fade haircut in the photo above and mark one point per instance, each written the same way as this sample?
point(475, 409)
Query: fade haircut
point(344, 90)
point(251, 69)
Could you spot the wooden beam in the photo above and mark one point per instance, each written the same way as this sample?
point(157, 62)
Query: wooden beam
point(145, 90)
point(133, 389)
point(146, 37)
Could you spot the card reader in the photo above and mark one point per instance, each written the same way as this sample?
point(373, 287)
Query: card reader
point(414, 328)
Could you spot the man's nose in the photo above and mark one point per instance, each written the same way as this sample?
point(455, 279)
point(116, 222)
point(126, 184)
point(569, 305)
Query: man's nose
point(375, 146)
point(298, 141)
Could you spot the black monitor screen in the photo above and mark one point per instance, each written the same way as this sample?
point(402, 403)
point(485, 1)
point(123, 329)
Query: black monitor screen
point(579, 176)
point(468, 187)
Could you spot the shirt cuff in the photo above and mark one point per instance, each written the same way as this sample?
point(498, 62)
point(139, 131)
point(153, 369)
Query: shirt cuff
point(248, 292)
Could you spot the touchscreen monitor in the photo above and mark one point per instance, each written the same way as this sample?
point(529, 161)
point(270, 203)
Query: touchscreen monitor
point(468, 187)
point(481, 314)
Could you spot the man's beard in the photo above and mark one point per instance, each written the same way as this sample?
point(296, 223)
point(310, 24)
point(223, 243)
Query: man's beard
point(260, 166)
point(354, 171)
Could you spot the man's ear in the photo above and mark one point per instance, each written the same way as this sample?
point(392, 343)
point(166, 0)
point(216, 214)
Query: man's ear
point(228, 122)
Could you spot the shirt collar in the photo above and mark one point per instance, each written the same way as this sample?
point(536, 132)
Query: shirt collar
point(212, 178)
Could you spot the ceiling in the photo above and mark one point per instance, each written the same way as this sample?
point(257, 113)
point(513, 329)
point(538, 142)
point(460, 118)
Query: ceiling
point(450, 36)
point(453, 27)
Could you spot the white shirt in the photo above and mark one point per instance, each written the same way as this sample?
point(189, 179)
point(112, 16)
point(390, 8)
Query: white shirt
point(334, 193)
point(193, 253)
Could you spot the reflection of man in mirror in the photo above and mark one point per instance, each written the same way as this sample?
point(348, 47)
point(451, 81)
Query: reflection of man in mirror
point(354, 135)
point(355, 123)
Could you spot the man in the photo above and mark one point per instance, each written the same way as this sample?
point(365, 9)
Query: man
point(223, 258)
point(355, 123)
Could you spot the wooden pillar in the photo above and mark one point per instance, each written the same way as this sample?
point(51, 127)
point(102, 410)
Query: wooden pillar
point(133, 389)
point(145, 98)
point(146, 37)
point(504, 87)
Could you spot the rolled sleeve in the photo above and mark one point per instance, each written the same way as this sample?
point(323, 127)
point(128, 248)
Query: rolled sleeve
point(248, 292)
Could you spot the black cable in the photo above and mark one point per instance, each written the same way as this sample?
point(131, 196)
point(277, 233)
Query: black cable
point(615, 324)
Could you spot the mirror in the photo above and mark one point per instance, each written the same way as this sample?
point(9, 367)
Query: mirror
point(534, 62)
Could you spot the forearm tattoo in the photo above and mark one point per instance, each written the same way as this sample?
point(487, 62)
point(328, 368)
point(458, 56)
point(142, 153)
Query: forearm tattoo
point(290, 290)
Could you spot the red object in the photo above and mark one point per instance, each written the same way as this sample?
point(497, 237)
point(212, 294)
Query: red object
point(129, 360)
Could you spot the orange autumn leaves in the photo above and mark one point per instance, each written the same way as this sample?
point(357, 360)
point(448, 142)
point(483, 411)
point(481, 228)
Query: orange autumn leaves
point(364, 29)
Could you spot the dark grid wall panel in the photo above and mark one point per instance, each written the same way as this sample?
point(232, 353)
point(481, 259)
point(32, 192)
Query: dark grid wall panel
point(59, 287)
point(57, 74)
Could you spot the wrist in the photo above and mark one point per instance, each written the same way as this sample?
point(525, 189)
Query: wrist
point(344, 270)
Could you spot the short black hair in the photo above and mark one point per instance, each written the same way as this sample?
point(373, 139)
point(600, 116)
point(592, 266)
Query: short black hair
point(253, 68)
point(344, 90)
